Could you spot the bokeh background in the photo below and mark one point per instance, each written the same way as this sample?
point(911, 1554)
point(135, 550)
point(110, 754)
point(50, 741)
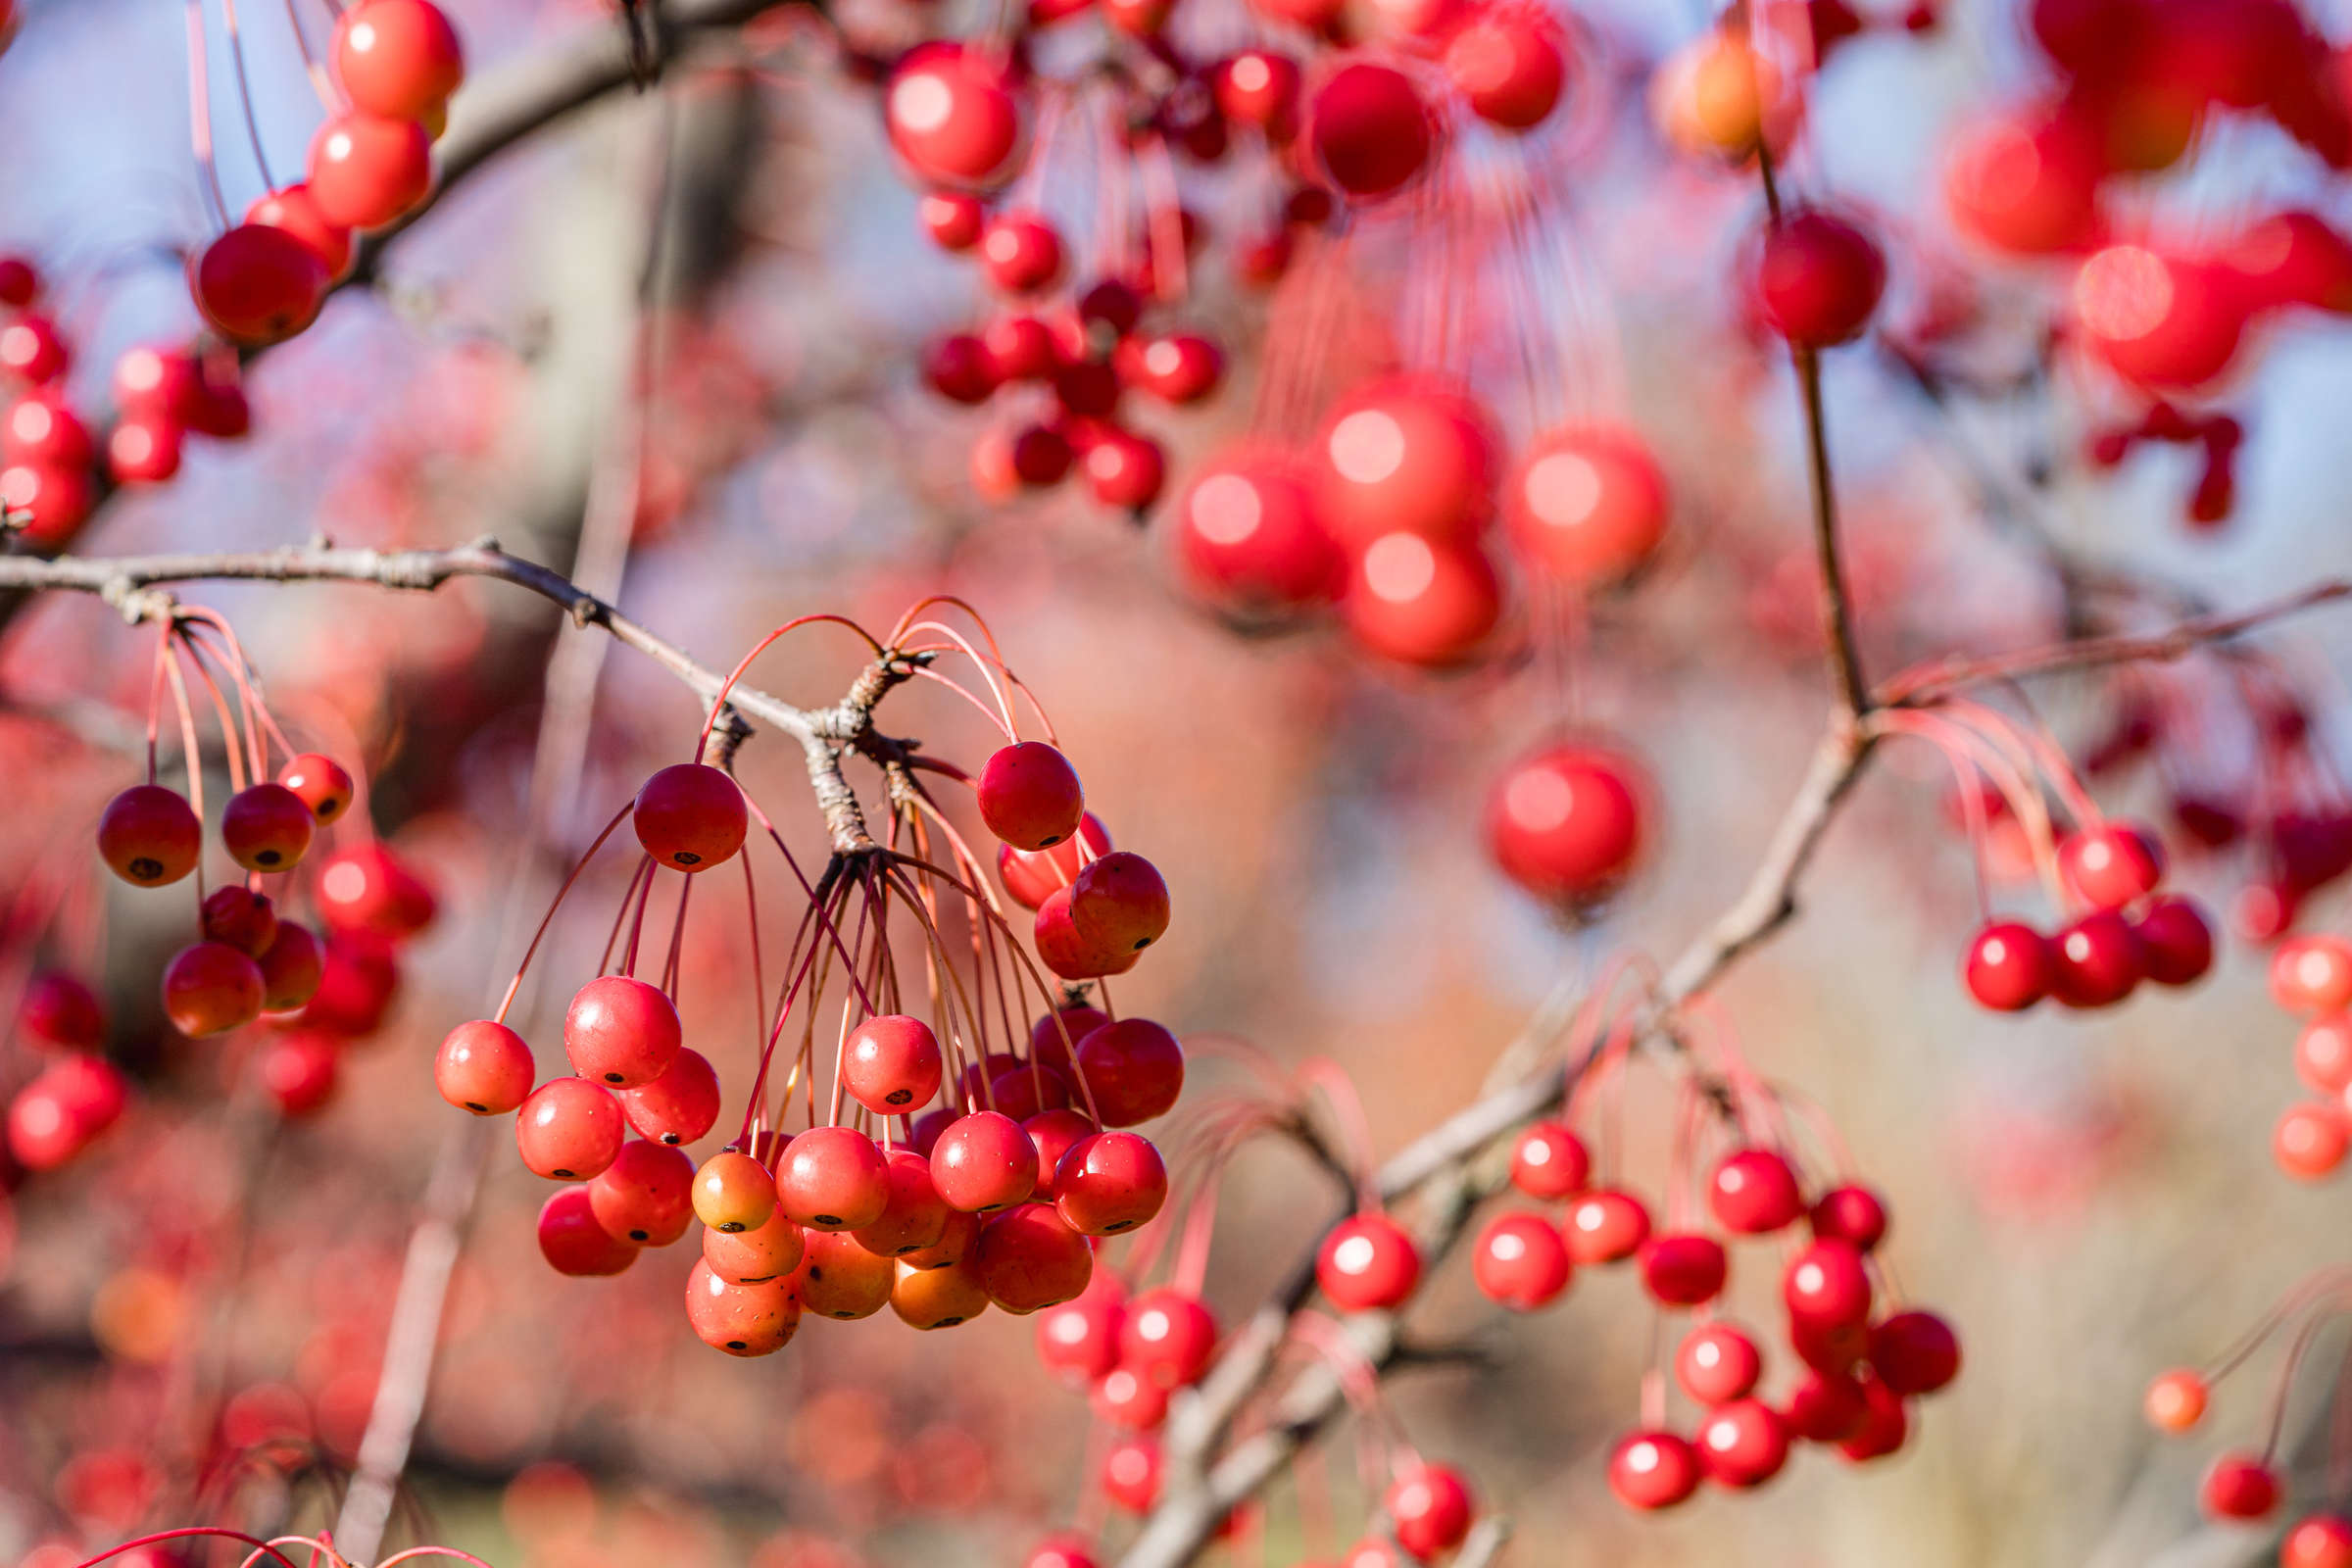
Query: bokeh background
point(675, 341)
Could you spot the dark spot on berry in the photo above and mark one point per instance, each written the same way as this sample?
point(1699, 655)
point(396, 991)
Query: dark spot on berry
point(478, 1107)
point(844, 1315)
point(828, 1219)
point(673, 1139)
point(567, 1175)
point(612, 1077)
point(949, 1322)
point(733, 1226)
point(687, 858)
point(816, 1273)
point(897, 1096)
point(738, 1345)
point(146, 868)
point(1140, 946)
point(1120, 1226)
point(641, 1236)
point(1055, 839)
point(268, 857)
point(327, 808)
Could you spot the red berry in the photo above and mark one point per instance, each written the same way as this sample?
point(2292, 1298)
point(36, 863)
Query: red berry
point(2112, 864)
point(1110, 1183)
point(646, 1195)
point(834, 1179)
point(1406, 456)
point(1258, 88)
point(293, 212)
point(2321, 1541)
point(19, 281)
point(1850, 1214)
point(953, 219)
point(2310, 1140)
point(1684, 1269)
point(293, 968)
point(2009, 966)
point(2096, 960)
point(1028, 1258)
point(1883, 1426)
point(573, 1243)
point(984, 1162)
point(892, 1063)
point(1368, 1263)
point(1754, 1193)
point(1034, 876)
point(1129, 1400)
point(1431, 1509)
point(1426, 605)
point(2310, 975)
point(740, 1319)
point(2027, 183)
point(2164, 323)
point(40, 430)
point(1566, 822)
point(1370, 132)
point(570, 1129)
point(1915, 1352)
point(1135, 1069)
point(840, 1280)
point(954, 117)
point(484, 1067)
point(2239, 1486)
point(370, 888)
point(244, 919)
point(1818, 279)
point(1030, 796)
point(913, 1216)
point(31, 350)
point(1826, 1408)
point(1716, 1364)
point(1022, 252)
point(767, 1251)
point(1743, 1444)
point(61, 1012)
point(680, 1105)
point(398, 57)
point(63, 1109)
point(142, 449)
point(960, 369)
point(1605, 1225)
point(267, 828)
point(1121, 901)
point(299, 1071)
point(325, 787)
point(1126, 470)
point(1177, 368)
point(1079, 1339)
point(689, 816)
point(1521, 1262)
point(355, 983)
point(2324, 1054)
point(149, 836)
point(1588, 504)
point(1651, 1470)
point(1168, 1336)
point(1249, 538)
point(620, 1032)
point(1508, 66)
point(1131, 1474)
point(1827, 1286)
point(365, 170)
point(53, 502)
point(256, 285)
point(211, 988)
point(1550, 1161)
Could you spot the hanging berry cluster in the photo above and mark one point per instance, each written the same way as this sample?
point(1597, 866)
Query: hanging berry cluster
point(394, 65)
point(953, 1161)
point(2310, 979)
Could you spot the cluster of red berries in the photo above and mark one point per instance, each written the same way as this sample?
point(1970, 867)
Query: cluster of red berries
point(2311, 978)
point(396, 63)
point(1858, 1370)
point(79, 1095)
point(2128, 932)
point(50, 456)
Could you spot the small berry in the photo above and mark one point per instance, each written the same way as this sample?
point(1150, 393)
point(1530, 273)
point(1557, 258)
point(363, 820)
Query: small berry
point(483, 1068)
point(680, 1105)
point(1683, 1269)
point(60, 1012)
point(1827, 1286)
point(1743, 1444)
point(690, 815)
point(1431, 1508)
point(2096, 960)
point(646, 1195)
point(1850, 1214)
point(984, 1162)
point(915, 1218)
point(149, 836)
point(620, 1031)
point(210, 988)
point(1566, 822)
point(1652, 1470)
point(1168, 1336)
point(299, 1071)
point(2310, 1140)
point(1914, 1353)
point(1368, 1263)
point(259, 284)
point(2009, 966)
point(1818, 279)
point(398, 57)
point(938, 1297)
point(840, 1280)
point(1716, 1364)
point(1521, 1262)
point(2312, 974)
point(740, 1319)
point(891, 1063)
point(2176, 943)
point(573, 1243)
point(2239, 1486)
point(1110, 1183)
point(1135, 1069)
point(733, 1192)
point(321, 783)
point(2321, 1540)
point(767, 1251)
point(570, 1129)
point(1550, 1161)
point(294, 968)
point(1605, 1226)
point(244, 919)
point(365, 169)
point(267, 828)
point(1121, 901)
point(1754, 1193)
point(833, 1179)
point(2112, 864)
point(1030, 796)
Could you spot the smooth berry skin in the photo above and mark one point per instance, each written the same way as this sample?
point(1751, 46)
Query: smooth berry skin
point(646, 1195)
point(1121, 901)
point(1040, 457)
point(892, 1063)
point(1754, 1193)
point(358, 977)
point(2095, 962)
point(680, 1105)
point(1060, 1551)
point(1550, 1161)
point(573, 1243)
point(1428, 605)
point(292, 212)
point(569, 1130)
point(840, 1280)
point(321, 783)
point(2309, 1141)
point(1078, 1340)
point(743, 1320)
point(1028, 1259)
point(2239, 1486)
point(56, 501)
point(365, 170)
point(163, 382)
point(1030, 796)
point(732, 1191)
point(60, 1012)
point(1606, 1225)
point(767, 1251)
point(1521, 1262)
point(1368, 1263)
point(1108, 1183)
point(1824, 1408)
point(2312, 974)
point(1742, 1444)
point(1250, 541)
point(1683, 1270)
point(955, 119)
point(1915, 1352)
point(929, 1299)
point(399, 59)
point(241, 917)
point(483, 1068)
point(259, 285)
point(1716, 1364)
point(1131, 1474)
point(1509, 69)
point(2321, 1541)
point(38, 428)
point(370, 888)
point(20, 282)
point(959, 368)
point(1851, 1214)
point(2112, 864)
point(1431, 1509)
point(1178, 368)
point(1588, 505)
point(915, 1218)
point(2009, 966)
point(622, 1032)
point(267, 828)
point(2324, 1054)
point(690, 816)
point(142, 449)
point(1827, 1286)
point(1818, 280)
point(1028, 1090)
point(952, 219)
point(1168, 1336)
point(1369, 130)
point(211, 988)
point(1021, 253)
point(1654, 1470)
point(1129, 1400)
point(1056, 1037)
point(1032, 877)
point(57, 1114)
point(1567, 822)
point(984, 1162)
point(833, 1179)
point(1411, 457)
point(1134, 1068)
point(149, 836)
point(1883, 1428)
point(32, 351)
point(299, 1071)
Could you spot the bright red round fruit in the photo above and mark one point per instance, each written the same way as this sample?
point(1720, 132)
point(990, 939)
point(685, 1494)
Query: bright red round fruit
point(325, 787)
point(915, 1218)
point(399, 59)
point(1422, 602)
point(149, 836)
point(1827, 1286)
point(259, 284)
point(1431, 1509)
point(1119, 900)
point(1652, 1470)
point(2312, 974)
point(740, 1319)
point(1409, 454)
point(892, 1063)
point(1079, 1339)
point(1851, 1214)
point(293, 968)
point(60, 1012)
point(299, 1071)
point(1566, 822)
point(1030, 796)
point(573, 1243)
point(2111, 864)
point(646, 1195)
point(984, 1162)
point(1743, 1444)
point(1550, 1161)
point(366, 171)
point(833, 1179)
point(370, 888)
point(1588, 504)
point(1818, 279)
point(1684, 1269)
point(680, 1105)
point(267, 828)
point(1135, 1069)
point(2095, 962)
point(690, 815)
point(1508, 66)
point(2321, 1541)
point(1368, 1263)
point(1249, 539)
point(2310, 1140)
point(570, 1129)
point(293, 212)
point(483, 1068)
point(1028, 1258)
point(2239, 1486)
point(211, 988)
point(1606, 1225)
point(2009, 966)
point(1753, 1192)
point(1168, 1336)
point(1915, 1352)
point(1716, 1363)
point(1110, 1183)
point(955, 118)
point(622, 1032)
point(1370, 130)
point(1521, 1262)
